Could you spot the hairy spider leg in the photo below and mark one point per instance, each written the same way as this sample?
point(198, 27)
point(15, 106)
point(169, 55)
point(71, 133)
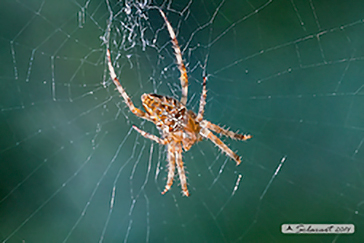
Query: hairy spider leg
point(181, 65)
point(198, 126)
point(201, 109)
point(121, 90)
point(208, 134)
point(181, 170)
point(224, 131)
point(151, 136)
point(171, 167)
point(173, 155)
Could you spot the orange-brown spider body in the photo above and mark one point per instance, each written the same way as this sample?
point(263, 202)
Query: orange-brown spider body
point(179, 127)
point(172, 118)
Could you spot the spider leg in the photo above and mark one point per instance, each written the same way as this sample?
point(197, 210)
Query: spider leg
point(181, 65)
point(171, 167)
point(181, 170)
point(151, 136)
point(206, 133)
point(225, 132)
point(121, 90)
point(201, 109)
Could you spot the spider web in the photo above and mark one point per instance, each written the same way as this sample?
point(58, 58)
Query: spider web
point(288, 72)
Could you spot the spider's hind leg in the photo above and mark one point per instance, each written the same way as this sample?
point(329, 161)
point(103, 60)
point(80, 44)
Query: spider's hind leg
point(201, 109)
point(121, 90)
point(181, 65)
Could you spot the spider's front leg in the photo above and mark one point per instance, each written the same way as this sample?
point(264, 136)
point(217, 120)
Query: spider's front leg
point(206, 133)
point(181, 170)
point(224, 131)
point(171, 167)
point(151, 136)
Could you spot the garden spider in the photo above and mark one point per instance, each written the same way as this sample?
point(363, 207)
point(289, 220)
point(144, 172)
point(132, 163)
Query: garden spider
point(179, 127)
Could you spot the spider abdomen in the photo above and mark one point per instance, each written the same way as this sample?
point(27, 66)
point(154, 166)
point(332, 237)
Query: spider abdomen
point(166, 112)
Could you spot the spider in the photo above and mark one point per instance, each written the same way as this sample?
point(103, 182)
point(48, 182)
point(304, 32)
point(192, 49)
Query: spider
point(179, 127)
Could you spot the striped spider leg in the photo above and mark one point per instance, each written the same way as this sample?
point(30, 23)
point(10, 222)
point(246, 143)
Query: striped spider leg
point(178, 126)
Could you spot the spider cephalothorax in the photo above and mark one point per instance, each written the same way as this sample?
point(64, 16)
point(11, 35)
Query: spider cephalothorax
point(179, 127)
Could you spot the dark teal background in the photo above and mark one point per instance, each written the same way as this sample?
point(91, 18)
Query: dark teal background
point(288, 72)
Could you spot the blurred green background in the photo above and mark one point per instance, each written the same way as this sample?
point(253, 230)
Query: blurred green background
point(288, 72)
